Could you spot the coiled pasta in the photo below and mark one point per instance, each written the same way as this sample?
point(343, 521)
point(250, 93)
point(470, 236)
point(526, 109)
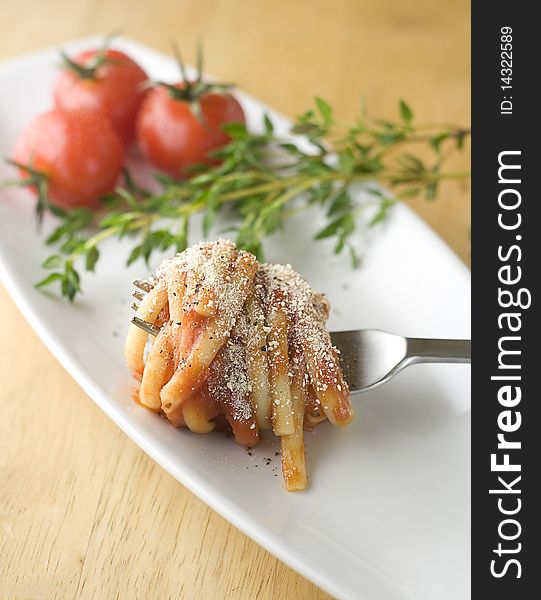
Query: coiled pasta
point(242, 346)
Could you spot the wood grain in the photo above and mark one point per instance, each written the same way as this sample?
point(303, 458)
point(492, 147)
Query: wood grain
point(83, 512)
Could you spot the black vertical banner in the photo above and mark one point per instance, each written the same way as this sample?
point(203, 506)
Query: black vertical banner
point(506, 253)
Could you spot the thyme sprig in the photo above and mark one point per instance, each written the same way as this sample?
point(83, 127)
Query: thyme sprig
point(261, 177)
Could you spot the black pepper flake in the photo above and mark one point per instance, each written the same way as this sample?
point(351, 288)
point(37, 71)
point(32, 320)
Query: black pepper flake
point(276, 454)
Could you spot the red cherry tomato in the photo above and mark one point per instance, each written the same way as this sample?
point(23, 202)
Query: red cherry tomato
point(80, 154)
point(173, 138)
point(113, 88)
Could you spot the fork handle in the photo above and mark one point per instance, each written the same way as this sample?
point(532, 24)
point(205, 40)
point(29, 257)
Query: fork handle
point(420, 350)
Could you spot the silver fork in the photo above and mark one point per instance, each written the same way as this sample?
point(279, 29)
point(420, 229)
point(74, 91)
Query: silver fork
point(369, 357)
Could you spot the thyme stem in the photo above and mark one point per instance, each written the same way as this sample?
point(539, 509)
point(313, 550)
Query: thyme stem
point(264, 193)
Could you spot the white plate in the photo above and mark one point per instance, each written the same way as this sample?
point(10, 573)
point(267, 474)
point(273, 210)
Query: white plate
point(386, 515)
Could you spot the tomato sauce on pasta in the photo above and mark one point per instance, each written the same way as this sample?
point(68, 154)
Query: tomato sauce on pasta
point(241, 346)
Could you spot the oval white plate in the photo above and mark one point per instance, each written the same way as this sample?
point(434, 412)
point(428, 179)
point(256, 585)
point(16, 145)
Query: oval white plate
point(386, 515)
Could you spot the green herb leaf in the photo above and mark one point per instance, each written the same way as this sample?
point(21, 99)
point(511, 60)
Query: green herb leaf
point(48, 280)
point(405, 112)
point(134, 254)
point(325, 110)
point(92, 257)
point(53, 262)
point(235, 130)
point(382, 212)
point(268, 124)
point(355, 260)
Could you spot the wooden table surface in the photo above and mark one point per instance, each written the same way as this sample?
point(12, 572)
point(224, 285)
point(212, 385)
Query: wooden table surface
point(83, 512)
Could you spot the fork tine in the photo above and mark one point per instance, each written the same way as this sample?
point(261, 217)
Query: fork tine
point(134, 306)
point(146, 326)
point(142, 285)
point(138, 295)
